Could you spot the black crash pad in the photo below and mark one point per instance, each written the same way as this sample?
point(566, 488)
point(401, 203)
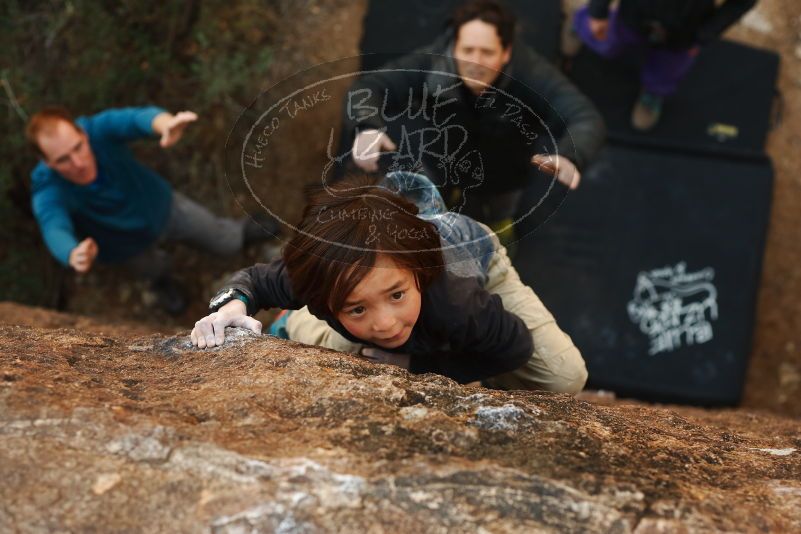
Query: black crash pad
point(652, 266)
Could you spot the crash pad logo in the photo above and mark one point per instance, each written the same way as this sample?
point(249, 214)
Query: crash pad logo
point(674, 307)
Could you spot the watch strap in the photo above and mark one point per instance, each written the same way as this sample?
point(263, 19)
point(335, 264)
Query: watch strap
point(225, 296)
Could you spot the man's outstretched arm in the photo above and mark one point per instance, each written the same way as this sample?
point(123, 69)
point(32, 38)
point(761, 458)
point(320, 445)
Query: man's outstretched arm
point(129, 124)
point(57, 229)
point(171, 127)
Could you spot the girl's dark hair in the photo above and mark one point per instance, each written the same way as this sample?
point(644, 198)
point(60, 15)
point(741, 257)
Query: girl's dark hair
point(343, 229)
point(489, 11)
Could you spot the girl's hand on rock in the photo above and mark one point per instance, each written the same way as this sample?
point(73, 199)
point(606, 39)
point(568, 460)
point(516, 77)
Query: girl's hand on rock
point(210, 330)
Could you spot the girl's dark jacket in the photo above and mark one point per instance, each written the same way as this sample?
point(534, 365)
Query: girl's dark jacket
point(463, 331)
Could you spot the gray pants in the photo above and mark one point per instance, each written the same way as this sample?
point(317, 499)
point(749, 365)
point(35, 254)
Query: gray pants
point(194, 225)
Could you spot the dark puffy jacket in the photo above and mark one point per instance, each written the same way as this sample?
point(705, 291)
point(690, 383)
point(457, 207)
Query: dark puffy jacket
point(676, 23)
point(532, 109)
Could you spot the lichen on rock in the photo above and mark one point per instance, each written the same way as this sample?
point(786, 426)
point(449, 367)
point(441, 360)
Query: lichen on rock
point(119, 433)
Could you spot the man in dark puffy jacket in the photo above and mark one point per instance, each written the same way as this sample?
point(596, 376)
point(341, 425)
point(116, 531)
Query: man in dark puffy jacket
point(673, 31)
point(474, 110)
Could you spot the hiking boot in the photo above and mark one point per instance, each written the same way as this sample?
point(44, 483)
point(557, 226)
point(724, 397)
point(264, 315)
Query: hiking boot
point(260, 227)
point(646, 111)
point(170, 295)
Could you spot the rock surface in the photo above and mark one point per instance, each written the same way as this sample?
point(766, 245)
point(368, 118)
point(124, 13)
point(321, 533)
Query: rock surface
point(101, 433)
point(15, 314)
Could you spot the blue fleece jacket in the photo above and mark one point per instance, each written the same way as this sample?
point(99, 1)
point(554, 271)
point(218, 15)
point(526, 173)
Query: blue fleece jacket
point(125, 209)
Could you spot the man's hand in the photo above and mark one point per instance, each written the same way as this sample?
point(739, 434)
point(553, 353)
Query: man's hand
point(599, 28)
point(367, 146)
point(388, 358)
point(210, 331)
point(559, 166)
point(171, 127)
point(83, 255)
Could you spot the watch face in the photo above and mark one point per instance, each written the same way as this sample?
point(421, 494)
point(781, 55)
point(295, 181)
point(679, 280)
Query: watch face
point(219, 299)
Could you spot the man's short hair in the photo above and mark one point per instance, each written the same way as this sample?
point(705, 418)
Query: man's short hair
point(489, 11)
point(45, 121)
point(343, 229)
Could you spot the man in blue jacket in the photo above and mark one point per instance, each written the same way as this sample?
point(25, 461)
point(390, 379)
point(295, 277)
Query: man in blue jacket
point(95, 202)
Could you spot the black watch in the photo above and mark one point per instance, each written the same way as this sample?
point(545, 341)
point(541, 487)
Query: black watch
point(225, 296)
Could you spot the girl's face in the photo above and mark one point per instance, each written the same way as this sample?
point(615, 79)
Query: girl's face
point(384, 307)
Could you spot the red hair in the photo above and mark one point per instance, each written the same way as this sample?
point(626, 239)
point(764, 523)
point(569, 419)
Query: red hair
point(46, 121)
